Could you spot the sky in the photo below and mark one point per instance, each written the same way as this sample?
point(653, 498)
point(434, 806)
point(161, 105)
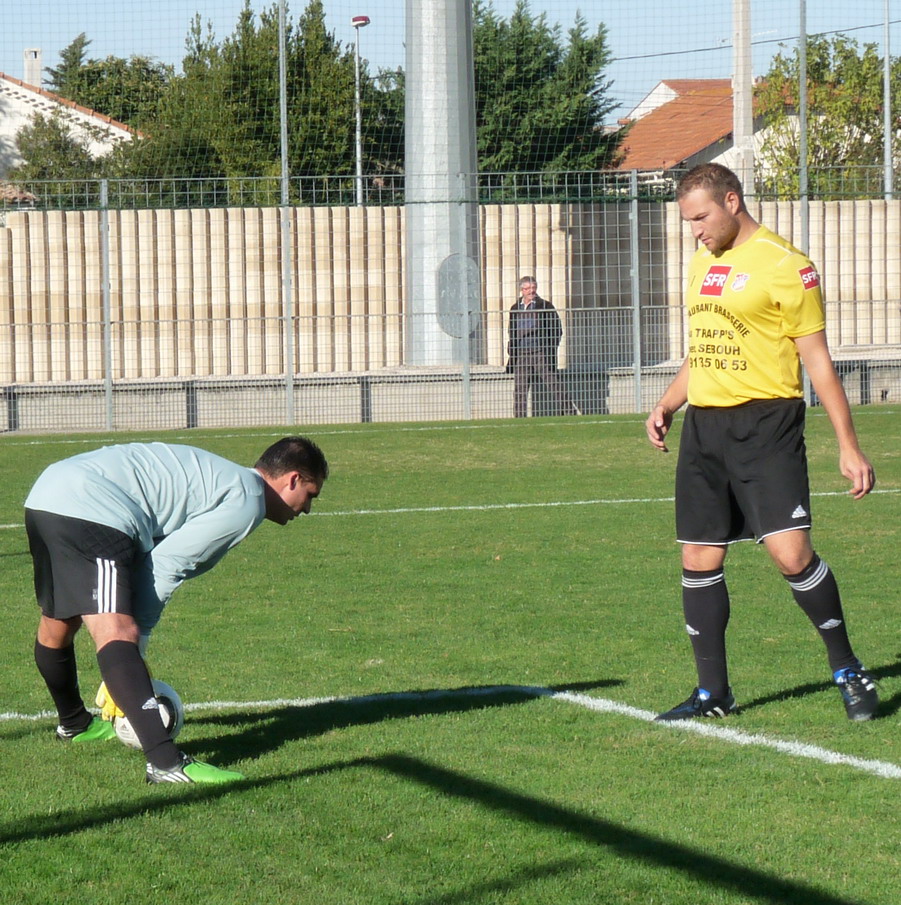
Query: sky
point(648, 40)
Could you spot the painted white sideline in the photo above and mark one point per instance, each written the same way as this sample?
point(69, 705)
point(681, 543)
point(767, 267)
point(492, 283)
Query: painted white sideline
point(709, 729)
point(713, 729)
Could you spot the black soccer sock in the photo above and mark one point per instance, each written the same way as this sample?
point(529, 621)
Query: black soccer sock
point(705, 603)
point(59, 671)
point(816, 592)
point(127, 680)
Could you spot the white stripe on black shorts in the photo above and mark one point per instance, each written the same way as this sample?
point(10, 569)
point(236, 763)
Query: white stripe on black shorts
point(80, 567)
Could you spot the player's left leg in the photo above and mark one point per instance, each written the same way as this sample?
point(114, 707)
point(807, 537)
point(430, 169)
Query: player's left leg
point(54, 656)
point(815, 590)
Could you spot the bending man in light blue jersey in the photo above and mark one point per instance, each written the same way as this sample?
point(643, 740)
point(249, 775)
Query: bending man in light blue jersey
point(112, 534)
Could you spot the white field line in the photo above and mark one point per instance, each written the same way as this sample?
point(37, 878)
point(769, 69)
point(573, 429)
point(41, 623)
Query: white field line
point(487, 507)
point(508, 424)
point(880, 768)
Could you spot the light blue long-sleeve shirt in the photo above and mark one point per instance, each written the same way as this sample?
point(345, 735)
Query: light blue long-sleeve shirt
point(185, 508)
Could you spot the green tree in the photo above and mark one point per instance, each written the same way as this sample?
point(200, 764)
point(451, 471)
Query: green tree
point(221, 116)
point(71, 59)
point(125, 90)
point(540, 100)
point(845, 118)
point(56, 162)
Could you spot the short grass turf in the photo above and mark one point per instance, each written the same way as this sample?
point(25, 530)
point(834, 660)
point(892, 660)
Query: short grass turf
point(382, 672)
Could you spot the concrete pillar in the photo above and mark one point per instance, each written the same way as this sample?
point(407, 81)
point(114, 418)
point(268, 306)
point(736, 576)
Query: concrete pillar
point(442, 239)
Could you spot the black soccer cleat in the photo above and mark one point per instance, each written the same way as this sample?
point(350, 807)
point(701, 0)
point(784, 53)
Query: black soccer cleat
point(700, 704)
point(858, 692)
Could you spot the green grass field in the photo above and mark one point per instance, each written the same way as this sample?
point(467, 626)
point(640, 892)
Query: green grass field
point(439, 688)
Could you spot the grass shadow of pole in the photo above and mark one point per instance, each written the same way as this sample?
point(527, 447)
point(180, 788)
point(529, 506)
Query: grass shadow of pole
point(268, 730)
point(751, 883)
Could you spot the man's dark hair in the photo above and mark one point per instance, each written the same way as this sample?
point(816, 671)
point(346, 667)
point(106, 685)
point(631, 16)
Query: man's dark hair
point(716, 179)
point(294, 454)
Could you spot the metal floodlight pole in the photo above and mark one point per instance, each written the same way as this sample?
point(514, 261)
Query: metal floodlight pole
point(887, 158)
point(358, 22)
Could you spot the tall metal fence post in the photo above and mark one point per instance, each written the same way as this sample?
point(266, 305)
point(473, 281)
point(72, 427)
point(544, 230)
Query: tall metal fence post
point(107, 311)
point(286, 243)
point(635, 285)
point(465, 301)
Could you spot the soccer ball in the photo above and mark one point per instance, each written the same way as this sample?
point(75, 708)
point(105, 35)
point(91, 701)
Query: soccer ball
point(172, 713)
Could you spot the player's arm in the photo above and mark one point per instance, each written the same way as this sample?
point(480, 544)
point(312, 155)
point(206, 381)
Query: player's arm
point(854, 465)
point(659, 421)
point(190, 550)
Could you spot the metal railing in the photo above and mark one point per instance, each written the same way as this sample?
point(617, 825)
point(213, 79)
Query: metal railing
point(824, 183)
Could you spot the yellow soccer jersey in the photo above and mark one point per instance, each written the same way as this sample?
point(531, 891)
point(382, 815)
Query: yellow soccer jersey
point(745, 306)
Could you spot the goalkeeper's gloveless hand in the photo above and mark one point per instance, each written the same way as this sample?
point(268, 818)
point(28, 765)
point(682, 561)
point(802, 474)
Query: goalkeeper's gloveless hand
point(109, 710)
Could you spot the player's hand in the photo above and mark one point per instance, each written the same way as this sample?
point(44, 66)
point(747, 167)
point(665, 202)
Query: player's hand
point(658, 425)
point(857, 469)
point(109, 710)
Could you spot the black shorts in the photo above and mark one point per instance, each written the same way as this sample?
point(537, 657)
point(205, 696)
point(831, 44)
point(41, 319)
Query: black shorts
point(80, 568)
point(742, 472)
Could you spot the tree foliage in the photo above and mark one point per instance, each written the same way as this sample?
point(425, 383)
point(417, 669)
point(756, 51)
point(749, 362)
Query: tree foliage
point(845, 117)
point(125, 90)
point(540, 100)
point(71, 59)
point(51, 150)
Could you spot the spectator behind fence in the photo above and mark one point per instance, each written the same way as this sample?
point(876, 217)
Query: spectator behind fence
point(534, 336)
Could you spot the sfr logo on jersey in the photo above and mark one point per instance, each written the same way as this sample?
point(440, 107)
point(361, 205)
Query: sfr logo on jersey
point(715, 281)
point(809, 277)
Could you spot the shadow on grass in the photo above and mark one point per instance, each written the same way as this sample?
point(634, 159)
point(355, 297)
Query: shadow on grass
point(268, 730)
point(886, 708)
point(659, 853)
point(513, 881)
point(641, 847)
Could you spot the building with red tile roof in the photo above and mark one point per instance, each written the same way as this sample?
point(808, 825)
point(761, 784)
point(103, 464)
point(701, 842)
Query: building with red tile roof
point(681, 123)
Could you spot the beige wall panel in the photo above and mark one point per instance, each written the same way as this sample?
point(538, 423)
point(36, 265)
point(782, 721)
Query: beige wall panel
point(36, 310)
point(139, 346)
point(254, 282)
point(525, 247)
point(816, 250)
point(66, 296)
point(273, 351)
point(7, 347)
point(829, 268)
point(847, 277)
point(167, 349)
point(511, 266)
point(862, 241)
point(196, 280)
point(183, 292)
point(358, 267)
point(341, 290)
point(305, 289)
point(236, 267)
point(893, 271)
point(492, 280)
point(394, 220)
point(553, 242)
point(220, 277)
point(324, 291)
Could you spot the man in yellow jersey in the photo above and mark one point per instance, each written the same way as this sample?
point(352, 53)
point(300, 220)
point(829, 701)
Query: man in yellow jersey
point(756, 314)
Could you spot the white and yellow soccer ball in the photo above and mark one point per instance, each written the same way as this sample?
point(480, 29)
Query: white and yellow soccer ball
point(171, 711)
